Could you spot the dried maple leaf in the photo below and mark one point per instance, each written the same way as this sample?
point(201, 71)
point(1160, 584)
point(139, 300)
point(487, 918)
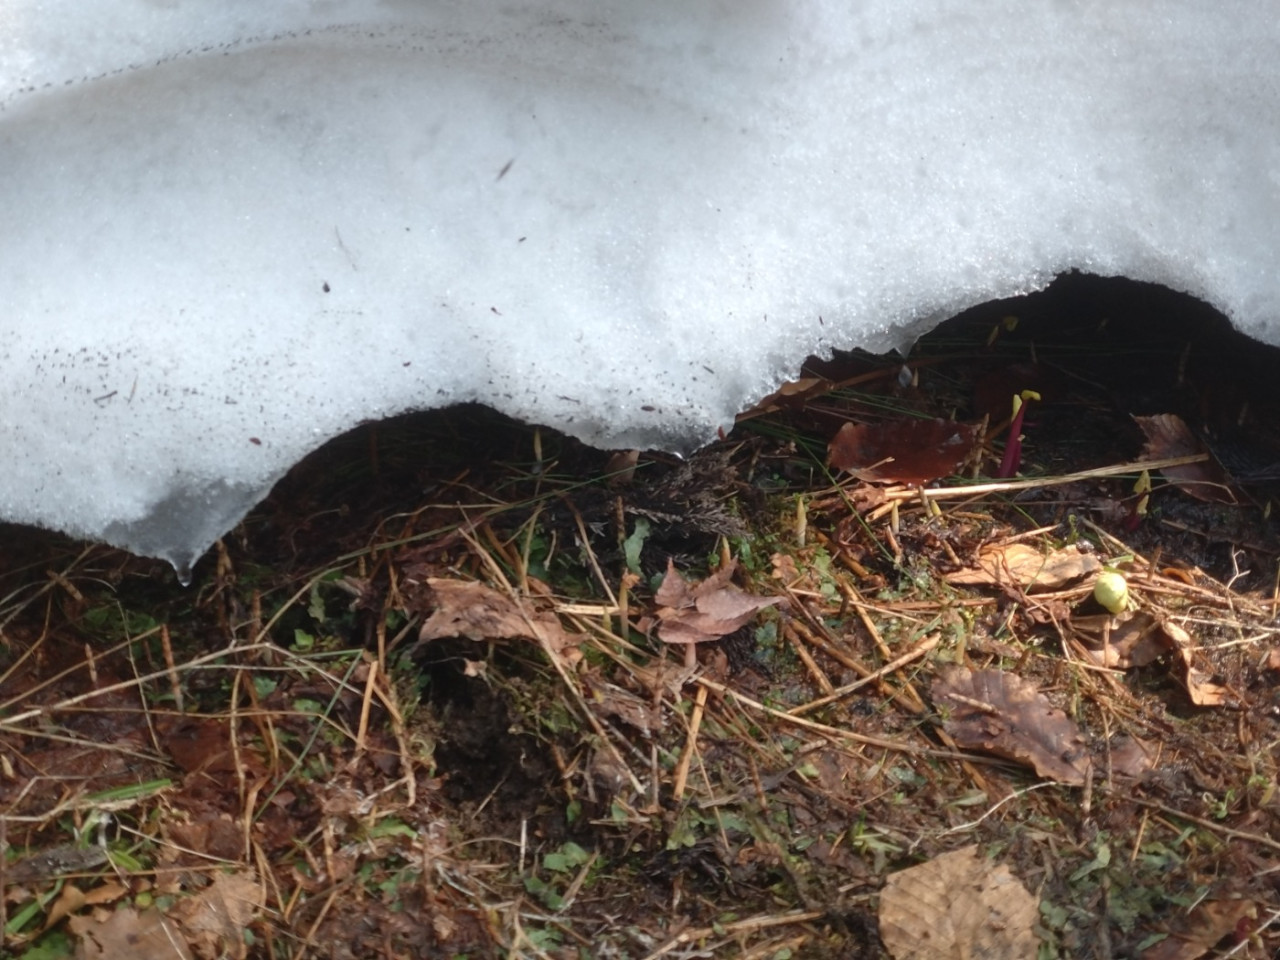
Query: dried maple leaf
point(1027, 566)
point(958, 905)
point(901, 451)
point(1003, 714)
point(704, 611)
point(465, 608)
point(1167, 437)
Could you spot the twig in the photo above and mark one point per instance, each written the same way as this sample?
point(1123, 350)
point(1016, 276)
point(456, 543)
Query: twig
point(1228, 832)
point(1032, 483)
point(750, 925)
point(797, 644)
point(920, 650)
point(690, 745)
point(835, 733)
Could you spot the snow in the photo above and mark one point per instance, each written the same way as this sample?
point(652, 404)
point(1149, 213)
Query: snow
point(234, 229)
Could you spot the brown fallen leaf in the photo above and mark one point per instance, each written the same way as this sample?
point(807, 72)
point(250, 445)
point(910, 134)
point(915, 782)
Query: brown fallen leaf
point(466, 608)
point(958, 905)
point(69, 901)
point(1133, 639)
point(1195, 675)
point(1003, 714)
point(901, 451)
point(214, 919)
point(1167, 437)
point(1027, 566)
point(201, 745)
point(1211, 922)
point(704, 611)
point(113, 934)
point(790, 396)
point(613, 701)
point(1138, 639)
point(1131, 757)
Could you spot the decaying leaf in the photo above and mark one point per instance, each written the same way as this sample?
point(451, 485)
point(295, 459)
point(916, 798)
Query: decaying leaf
point(791, 395)
point(1131, 757)
point(1003, 714)
point(1138, 639)
point(901, 451)
point(1027, 566)
point(958, 905)
point(1129, 640)
point(704, 611)
point(126, 932)
point(466, 608)
point(613, 701)
point(1195, 675)
point(1210, 923)
point(1167, 437)
point(214, 919)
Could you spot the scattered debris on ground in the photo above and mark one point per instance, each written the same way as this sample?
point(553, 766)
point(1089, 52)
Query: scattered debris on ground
point(969, 654)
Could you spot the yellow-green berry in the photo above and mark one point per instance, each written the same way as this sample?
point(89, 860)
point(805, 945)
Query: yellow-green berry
point(1112, 591)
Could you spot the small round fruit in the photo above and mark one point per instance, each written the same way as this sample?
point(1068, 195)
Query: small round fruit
point(1112, 591)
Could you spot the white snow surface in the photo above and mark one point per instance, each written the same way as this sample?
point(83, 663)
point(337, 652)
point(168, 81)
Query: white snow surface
point(232, 229)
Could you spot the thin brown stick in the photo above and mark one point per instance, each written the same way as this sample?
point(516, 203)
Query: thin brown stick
point(1007, 486)
point(918, 651)
point(815, 671)
point(1227, 832)
point(750, 925)
point(690, 745)
point(175, 685)
point(834, 733)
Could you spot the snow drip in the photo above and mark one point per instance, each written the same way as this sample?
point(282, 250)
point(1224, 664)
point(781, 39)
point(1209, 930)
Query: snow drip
point(232, 230)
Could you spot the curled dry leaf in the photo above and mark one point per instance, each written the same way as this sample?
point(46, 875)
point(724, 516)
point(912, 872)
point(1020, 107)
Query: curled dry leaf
point(465, 608)
point(1167, 437)
point(1027, 566)
point(901, 451)
point(1196, 675)
point(704, 611)
point(1003, 714)
point(612, 701)
point(1124, 641)
point(1208, 925)
point(958, 905)
point(1138, 639)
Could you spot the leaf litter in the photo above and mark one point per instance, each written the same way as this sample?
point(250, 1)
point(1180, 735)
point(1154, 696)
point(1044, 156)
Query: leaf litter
point(424, 708)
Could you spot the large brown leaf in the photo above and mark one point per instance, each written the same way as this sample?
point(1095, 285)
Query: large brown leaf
point(958, 905)
point(1027, 566)
point(466, 608)
point(901, 451)
point(1167, 437)
point(1003, 714)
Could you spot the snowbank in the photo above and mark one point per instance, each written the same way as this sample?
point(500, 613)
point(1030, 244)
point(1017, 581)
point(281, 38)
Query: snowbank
point(232, 229)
